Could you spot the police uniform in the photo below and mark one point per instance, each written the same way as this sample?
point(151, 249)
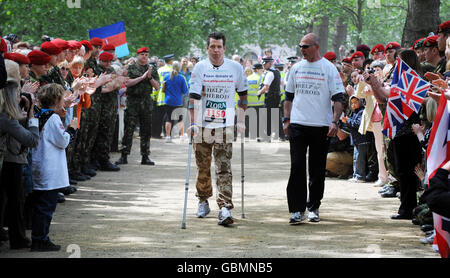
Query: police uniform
point(254, 102)
point(280, 68)
point(158, 122)
point(139, 110)
point(272, 97)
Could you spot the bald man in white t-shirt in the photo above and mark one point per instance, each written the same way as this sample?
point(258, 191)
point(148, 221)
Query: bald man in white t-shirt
point(313, 87)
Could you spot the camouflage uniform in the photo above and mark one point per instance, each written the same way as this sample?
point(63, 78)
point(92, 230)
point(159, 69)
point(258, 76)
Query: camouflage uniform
point(139, 110)
point(106, 109)
point(91, 63)
point(440, 67)
point(222, 151)
point(54, 76)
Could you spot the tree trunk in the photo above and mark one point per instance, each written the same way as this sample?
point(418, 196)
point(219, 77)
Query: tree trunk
point(340, 34)
point(321, 31)
point(421, 19)
point(359, 22)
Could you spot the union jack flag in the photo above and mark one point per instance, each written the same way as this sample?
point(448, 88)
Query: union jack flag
point(401, 67)
point(397, 112)
point(413, 90)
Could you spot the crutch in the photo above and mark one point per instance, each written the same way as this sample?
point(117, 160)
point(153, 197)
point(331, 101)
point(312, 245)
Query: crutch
point(242, 172)
point(186, 189)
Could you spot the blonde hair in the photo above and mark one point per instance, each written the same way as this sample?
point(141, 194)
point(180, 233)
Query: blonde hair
point(8, 101)
point(431, 107)
point(12, 69)
point(63, 64)
point(77, 60)
point(447, 54)
point(175, 69)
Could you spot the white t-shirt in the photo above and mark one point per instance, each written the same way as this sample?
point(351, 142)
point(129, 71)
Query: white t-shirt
point(313, 84)
point(217, 87)
point(268, 78)
point(49, 157)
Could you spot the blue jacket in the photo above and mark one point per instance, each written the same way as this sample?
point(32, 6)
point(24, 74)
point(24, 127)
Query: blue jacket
point(353, 125)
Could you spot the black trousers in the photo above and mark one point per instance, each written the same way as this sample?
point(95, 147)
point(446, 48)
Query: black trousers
point(301, 138)
point(44, 206)
point(12, 202)
point(407, 154)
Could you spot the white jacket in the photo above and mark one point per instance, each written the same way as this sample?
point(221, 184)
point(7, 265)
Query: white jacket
point(49, 157)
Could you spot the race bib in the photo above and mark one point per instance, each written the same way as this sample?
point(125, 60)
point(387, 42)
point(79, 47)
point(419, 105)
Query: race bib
point(215, 112)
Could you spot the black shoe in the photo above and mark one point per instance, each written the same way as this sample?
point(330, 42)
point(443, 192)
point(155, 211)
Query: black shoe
point(109, 167)
point(68, 190)
point(415, 221)
point(425, 228)
point(60, 198)
point(146, 161)
point(4, 235)
point(401, 216)
point(44, 246)
point(371, 177)
point(78, 177)
point(88, 171)
point(93, 165)
point(72, 182)
point(24, 243)
point(122, 160)
point(389, 193)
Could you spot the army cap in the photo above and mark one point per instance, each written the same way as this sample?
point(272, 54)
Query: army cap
point(61, 43)
point(430, 41)
point(142, 49)
point(50, 48)
point(444, 28)
point(106, 57)
point(377, 48)
point(330, 56)
point(38, 57)
point(267, 59)
point(18, 58)
point(279, 66)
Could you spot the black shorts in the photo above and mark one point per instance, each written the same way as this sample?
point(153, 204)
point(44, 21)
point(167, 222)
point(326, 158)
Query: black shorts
point(168, 110)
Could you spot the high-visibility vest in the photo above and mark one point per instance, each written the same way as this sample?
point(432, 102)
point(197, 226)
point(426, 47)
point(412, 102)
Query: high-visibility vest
point(163, 72)
point(254, 83)
point(282, 91)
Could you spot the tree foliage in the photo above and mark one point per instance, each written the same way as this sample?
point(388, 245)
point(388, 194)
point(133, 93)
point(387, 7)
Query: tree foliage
point(174, 26)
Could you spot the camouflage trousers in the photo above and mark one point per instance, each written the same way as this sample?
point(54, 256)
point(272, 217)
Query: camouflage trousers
point(106, 126)
point(138, 111)
point(81, 152)
point(204, 146)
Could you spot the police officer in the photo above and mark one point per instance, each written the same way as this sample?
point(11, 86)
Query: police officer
point(254, 102)
point(160, 96)
point(271, 89)
point(280, 69)
point(139, 105)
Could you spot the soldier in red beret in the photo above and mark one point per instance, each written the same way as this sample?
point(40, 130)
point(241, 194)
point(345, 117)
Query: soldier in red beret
point(57, 55)
point(443, 33)
point(87, 46)
point(109, 48)
point(105, 103)
point(74, 47)
point(39, 64)
point(330, 56)
point(23, 62)
point(347, 69)
point(418, 48)
point(378, 52)
point(96, 42)
point(365, 49)
point(64, 45)
point(358, 59)
point(433, 56)
point(391, 52)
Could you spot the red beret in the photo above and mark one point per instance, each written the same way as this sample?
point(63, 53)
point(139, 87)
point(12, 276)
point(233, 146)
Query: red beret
point(87, 44)
point(362, 47)
point(142, 49)
point(419, 43)
point(74, 45)
point(96, 42)
point(61, 43)
point(347, 60)
point(377, 48)
point(3, 46)
point(357, 54)
point(50, 48)
point(38, 57)
point(106, 56)
point(108, 47)
point(444, 27)
point(430, 41)
point(330, 55)
point(392, 45)
point(18, 58)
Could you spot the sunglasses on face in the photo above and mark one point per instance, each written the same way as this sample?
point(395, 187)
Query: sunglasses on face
point(63, 68)
point(305, 46)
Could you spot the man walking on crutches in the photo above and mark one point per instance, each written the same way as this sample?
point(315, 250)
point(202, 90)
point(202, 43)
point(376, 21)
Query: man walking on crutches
point(214, 82)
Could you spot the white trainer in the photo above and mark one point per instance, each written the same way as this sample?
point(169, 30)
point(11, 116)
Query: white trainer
point(203, 209)
point(168, 139)
point(379, 183)
point(225, 217)
point(297, 217)
point(313, 216)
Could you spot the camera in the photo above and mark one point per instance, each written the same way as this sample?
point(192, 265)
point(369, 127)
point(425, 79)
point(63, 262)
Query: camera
point(371, 70)
point(22, 103)
point(46, 38)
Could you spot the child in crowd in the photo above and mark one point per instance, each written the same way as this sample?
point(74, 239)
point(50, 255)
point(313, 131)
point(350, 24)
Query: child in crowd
point(49, 164)
point(360, 141)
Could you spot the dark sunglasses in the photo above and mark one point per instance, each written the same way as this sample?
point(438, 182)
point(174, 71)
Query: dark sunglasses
point(63, 68)
point(305, 46)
